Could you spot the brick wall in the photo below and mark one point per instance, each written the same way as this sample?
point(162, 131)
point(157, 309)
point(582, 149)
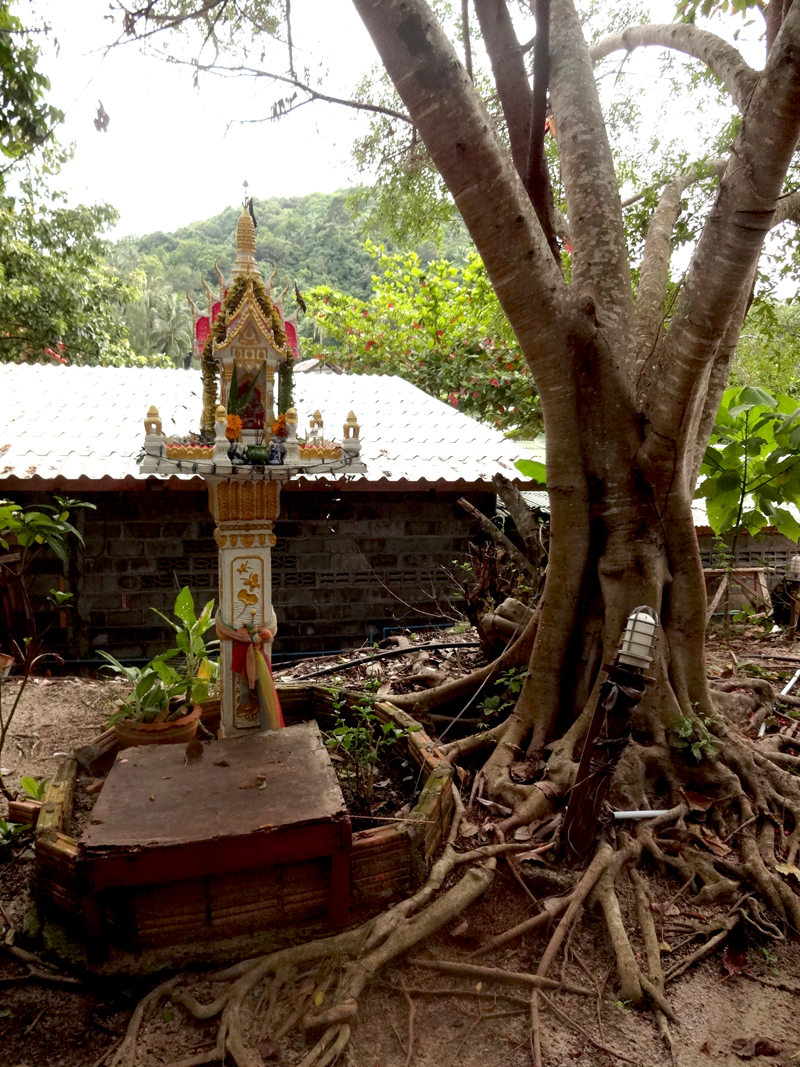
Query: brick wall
point(346, 564)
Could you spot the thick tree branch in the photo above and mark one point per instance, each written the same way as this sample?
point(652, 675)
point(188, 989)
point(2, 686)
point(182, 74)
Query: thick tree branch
point(477, 169)
point(465, 35)
point(655, 260)
point(538, 178)
point(726, 254)
point(788, 209)
point(510, 76)
point(600, 270)
point(722, 59)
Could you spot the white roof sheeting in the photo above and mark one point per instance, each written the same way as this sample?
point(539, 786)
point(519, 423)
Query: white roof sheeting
point(87, 423)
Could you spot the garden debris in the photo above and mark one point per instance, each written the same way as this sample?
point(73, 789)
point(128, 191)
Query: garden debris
point(748, 1047)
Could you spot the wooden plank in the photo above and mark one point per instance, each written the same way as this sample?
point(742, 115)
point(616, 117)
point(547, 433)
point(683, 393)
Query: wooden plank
point(57, 802)
point(56, 871)
point(717, 597)
point(24, 811)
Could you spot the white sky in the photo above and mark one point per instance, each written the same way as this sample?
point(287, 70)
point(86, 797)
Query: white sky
point(171, 155)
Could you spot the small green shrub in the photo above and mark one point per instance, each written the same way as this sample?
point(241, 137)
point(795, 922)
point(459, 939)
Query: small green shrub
point(361, 740)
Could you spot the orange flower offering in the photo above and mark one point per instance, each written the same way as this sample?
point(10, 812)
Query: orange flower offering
point(234, 431)
point(279, 426)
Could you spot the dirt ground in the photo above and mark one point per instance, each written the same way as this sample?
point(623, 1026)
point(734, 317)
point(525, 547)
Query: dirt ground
point(725, 1015)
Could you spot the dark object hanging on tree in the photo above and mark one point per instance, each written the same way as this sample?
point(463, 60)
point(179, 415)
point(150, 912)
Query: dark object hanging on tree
point(299, 298)
point(619, 694)
point(251, 212)
point(607, 736)
point(103, 118)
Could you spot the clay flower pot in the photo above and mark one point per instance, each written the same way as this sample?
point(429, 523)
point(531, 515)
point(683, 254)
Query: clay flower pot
point(179, 731)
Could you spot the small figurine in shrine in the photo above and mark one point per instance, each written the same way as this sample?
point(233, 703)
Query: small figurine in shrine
point(221, 445)
point(315, 429)
point(292, 455)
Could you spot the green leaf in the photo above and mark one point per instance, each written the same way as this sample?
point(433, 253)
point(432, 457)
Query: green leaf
point(786, 524)
point(184, 607)
point(750, 397)
point(31, 787)
point(533, 469)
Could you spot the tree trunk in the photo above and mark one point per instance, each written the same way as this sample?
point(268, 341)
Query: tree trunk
point(621, 437)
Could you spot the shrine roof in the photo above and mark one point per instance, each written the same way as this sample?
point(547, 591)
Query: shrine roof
point(78, 425)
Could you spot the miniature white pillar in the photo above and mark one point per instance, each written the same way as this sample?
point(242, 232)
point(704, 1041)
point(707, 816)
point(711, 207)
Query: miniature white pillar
point(221, 443)
point(153, 441)
point(351, 442)
point(244, 512)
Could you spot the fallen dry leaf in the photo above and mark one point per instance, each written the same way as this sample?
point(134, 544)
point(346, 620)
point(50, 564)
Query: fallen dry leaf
point(748, 1047)
point(269, 1050)
point(713, 843)
point(697, 801)
point(524, 771)
point(788, 869)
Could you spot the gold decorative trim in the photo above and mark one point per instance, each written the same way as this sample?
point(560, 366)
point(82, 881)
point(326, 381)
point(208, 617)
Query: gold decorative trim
point(234, 500)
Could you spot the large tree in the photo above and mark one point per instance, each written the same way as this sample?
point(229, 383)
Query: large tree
point(630, 377)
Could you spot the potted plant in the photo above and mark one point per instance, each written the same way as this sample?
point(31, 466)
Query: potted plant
point(163, 705)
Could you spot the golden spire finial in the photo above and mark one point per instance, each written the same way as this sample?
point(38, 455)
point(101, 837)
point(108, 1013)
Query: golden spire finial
point(245, 262)
point(245, 234)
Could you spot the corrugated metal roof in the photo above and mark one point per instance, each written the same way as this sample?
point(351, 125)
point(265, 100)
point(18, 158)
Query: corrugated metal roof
point(79, 423)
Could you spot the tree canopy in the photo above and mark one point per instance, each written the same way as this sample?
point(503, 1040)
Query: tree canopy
point(436, 325)
point(59, 297)
point(26, 118)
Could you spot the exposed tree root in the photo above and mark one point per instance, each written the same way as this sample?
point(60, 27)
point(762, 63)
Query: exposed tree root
point(356, 957)
point(459, 690)
point(732, 820)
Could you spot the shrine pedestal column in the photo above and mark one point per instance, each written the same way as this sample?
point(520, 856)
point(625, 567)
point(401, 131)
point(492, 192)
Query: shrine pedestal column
point(244, 512)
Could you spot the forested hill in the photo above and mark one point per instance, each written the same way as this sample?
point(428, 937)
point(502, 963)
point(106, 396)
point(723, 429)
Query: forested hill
point(312, 240)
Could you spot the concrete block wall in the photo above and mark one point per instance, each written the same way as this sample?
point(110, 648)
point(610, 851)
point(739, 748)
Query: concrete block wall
point(347, 564)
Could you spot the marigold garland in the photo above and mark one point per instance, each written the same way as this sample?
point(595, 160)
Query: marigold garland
point(234, 431)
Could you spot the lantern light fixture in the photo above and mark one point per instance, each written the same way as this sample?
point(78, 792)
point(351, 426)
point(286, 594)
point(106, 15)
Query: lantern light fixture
point(637, 640)
point(793, 570)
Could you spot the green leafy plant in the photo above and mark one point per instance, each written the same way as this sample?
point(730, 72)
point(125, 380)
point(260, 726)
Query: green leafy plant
point(751, 467)
point(513, 679)
point(493, 705)
point(41, 525)
point(9, 831)
point(155, 687)
point(236, 403)
point(360, 740)
point(30, 530)
point(692, 733)
point(31, 788)
point(199, 672)
point(438, 325)
point(149, 696)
